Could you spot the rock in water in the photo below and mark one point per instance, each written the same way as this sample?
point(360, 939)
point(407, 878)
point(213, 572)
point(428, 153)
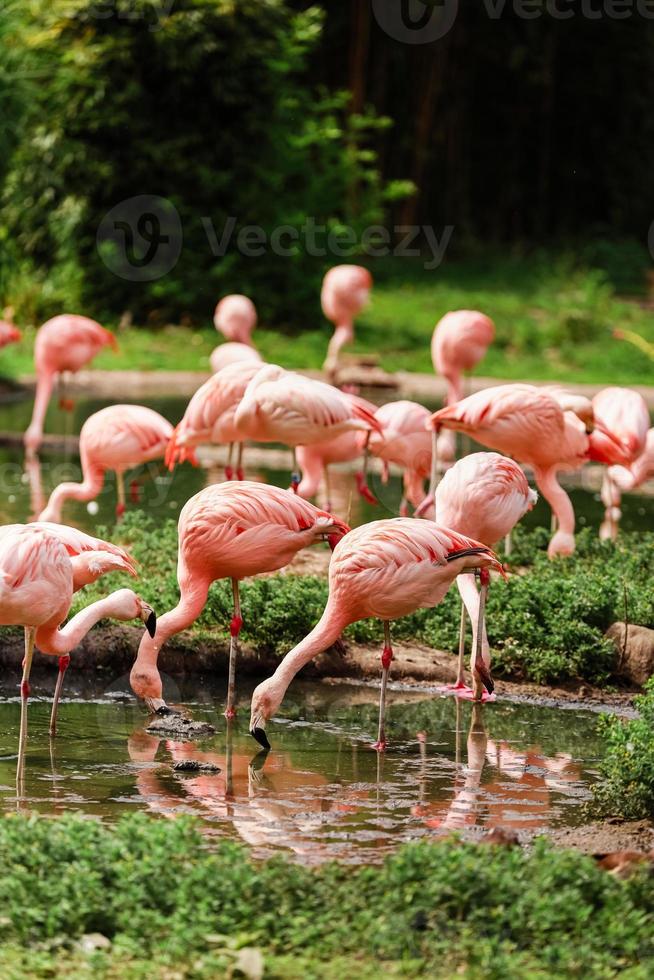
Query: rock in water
point(179, 726)
point(635, 654)
point(193, 765)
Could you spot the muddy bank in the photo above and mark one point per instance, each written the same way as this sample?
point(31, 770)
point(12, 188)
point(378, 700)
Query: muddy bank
point(606, 837)
point(415, 667)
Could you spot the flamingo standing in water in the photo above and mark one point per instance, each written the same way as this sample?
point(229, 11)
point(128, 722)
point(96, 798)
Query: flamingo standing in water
point(37, 580)
point(530, 424)
point(91, 558)
point(345, 292)
point(117, 438)
point(235, 318)
point(385, 569)
point(625, 415)
point(404, 441)
point(483, 496)
point(9, 334)
point(459, 342)
point(229, 530)
point(64, 343)
point(281, 406)
point(209, 417)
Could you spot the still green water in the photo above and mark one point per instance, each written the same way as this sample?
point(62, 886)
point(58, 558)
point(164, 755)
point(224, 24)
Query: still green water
point(322, 792)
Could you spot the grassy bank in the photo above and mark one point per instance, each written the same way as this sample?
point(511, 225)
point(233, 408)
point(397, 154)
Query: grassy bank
point(167, 906)
point(547, 625)
point(554, 316)
point(626, 786)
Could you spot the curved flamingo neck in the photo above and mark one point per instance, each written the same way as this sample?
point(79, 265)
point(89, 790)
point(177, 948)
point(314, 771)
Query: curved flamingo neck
point(343, 334)
point(312, 472)
point(326, 631)
point(454, 388)
point(87, 490)
point(467, 587)
point(559, 501)
point(57, 642)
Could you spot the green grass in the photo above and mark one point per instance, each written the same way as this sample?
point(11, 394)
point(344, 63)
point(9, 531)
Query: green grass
point(547, 625)
point(626, 785)
point(554, 318)
point(171, 905)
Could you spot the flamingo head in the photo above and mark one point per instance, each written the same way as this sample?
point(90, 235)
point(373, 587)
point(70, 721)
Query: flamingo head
point(266, 700)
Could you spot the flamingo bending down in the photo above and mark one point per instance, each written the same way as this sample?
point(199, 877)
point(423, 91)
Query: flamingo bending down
point(459, 342)
point(91, 558)
point(529, 424)
point(64, 343)
point(117, 438)
point(404, 441)
point(483, 496)
point(37, 579)
point(229, 530)
point(235, 317)
point(641, 470)
point(345, 292)
point(626, 416)
point(281, 406)
point(209, 417)
point(385, 569)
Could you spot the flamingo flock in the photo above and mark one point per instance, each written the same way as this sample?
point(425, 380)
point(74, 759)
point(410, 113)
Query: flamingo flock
point(385, 569)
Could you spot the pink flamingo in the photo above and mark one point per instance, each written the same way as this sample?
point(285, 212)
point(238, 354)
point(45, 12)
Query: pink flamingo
point(625, 415)
point(235, 318)
point(209, 417)
point(405, 442)
point(314, 459)
point(9, 334)
point(117, 438)
point(483, 496)
point(459, 342)
point(345, 292)
point(385, 569)
point(641, 470)
point(229, 530)
point(65, 343)
point(91, 558)
point(280, 406)
point(529, 424)
point(37, 579)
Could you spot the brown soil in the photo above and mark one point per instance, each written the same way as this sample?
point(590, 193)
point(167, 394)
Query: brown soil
point(607, 837)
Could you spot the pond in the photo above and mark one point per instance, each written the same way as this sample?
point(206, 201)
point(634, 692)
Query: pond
point(163, 494)
point(322, 792)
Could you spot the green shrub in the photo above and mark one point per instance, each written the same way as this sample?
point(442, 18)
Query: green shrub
point(626, 785)
point(155, 889)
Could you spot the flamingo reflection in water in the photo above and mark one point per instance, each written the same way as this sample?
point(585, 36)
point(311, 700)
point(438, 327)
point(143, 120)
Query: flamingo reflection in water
point(524, 804)
point(266, 799)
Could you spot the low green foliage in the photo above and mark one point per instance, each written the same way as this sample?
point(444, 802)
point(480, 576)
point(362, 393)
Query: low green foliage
point(626, 786)
point(546, 623)
point(155, 890)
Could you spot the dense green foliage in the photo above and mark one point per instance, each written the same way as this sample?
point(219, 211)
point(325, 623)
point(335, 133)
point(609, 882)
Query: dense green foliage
point(626, 786)
point(154, 890)
point(206, 104)
point(545, 624)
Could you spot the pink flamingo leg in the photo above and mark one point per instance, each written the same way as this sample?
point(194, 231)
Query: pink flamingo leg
point(63, 667)
point(229, 471)
point(362, 476)
point(240, 475)
point(120, 506)
point(296, 477)
point(30, 635)
point(234, 630)
point(387, 658)
point(460, 686)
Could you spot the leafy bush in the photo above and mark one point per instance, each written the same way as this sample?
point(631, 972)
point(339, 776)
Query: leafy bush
point(626, 786)
point(546, 623)
point(155, 890)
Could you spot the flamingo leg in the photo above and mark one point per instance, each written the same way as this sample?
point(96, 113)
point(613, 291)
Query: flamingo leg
point(480, 672)
point(508, 543)
point(234, 630)
point(460, 676)
point(120, 486)
point(63, 666)
point(229, 472)
point(239, 462)
point(387, 657)
point(328, 492)
point(30, 635)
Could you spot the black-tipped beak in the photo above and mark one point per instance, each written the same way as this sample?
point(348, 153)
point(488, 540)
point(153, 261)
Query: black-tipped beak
point(484, 673)
point(151, 623)
point(163, 710)
point(259, 734)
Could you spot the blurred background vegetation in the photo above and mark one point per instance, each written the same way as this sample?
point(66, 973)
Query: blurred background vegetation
point(532, 138)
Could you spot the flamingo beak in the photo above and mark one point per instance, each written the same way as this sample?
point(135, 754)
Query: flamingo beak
point(258, 731)
point(149, 617)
